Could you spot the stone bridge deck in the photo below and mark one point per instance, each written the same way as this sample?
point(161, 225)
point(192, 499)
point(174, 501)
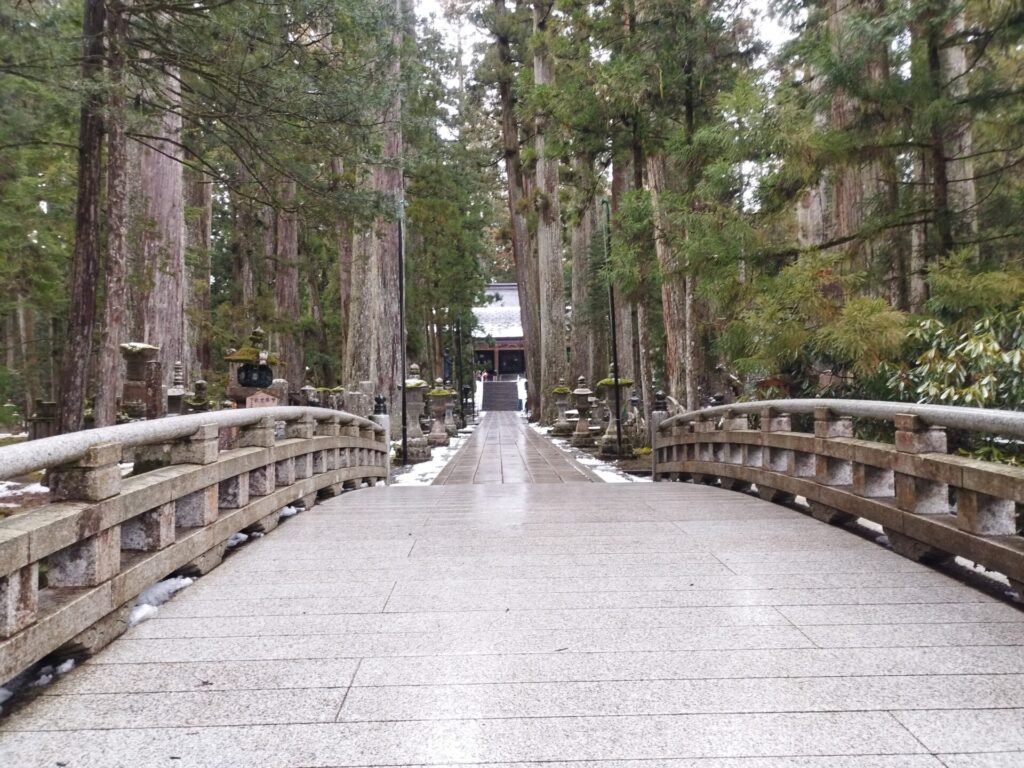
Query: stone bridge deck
point(579, 625)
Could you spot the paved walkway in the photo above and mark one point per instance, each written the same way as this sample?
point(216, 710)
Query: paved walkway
point(504, 450)
point(582, 625)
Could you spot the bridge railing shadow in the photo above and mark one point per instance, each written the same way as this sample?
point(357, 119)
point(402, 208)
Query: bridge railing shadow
point(933, 505)
point(71, 570)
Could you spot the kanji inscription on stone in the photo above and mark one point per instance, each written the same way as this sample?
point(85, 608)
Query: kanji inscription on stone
point(261, 400)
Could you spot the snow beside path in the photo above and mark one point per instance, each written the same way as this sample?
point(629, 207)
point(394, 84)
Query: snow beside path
point(150, 599)
point(603, 469)
point(425, 472)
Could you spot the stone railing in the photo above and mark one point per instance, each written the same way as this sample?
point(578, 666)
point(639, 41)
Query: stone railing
point(932, 505)
point(71, 570)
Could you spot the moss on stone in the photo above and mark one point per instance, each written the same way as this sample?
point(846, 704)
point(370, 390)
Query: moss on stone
point(623, 382)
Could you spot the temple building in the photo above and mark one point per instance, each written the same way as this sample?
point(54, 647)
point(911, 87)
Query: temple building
point(498, 342)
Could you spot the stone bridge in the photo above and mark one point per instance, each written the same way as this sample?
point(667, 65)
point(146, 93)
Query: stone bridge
point(521, 612)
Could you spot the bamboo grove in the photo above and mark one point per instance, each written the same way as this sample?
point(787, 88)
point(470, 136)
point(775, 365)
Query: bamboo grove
point(835, 211)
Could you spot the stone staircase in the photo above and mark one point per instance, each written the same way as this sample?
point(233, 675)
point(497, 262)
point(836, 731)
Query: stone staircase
point(500, 396)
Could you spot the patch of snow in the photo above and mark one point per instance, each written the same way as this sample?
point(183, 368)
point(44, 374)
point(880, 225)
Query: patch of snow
point(256, 535)
point(983, 571)
point(425, 472)
point(11, 489)
point(161, 592)
point(237, 538)
point(141, 613)
point(289, 511)
point(870, 525)
point(34, 677)
point(608, 472)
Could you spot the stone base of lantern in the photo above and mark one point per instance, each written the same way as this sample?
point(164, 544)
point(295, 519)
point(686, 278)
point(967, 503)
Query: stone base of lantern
point(438, 434)
point(561, 428)
point(606, 447)
point(419, 451)
point(581, 439)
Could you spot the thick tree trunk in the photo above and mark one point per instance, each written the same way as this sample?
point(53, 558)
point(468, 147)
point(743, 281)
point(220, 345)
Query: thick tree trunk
point(286, 288)
point(163, 240)
point(375, 347)
point(344, 231)
point(673, 294)
point(325, 372)
point(582, 338)
point(85, 260)
point(962, 194)
point(523, 252)
point(646, 378)
point(388, 181)
point(27, 358)
point(549, 231)
point(198, 233)
point(359, 347)
point(108, 386)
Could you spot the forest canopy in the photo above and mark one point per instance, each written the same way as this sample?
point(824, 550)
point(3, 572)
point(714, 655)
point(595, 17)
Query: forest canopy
point(836, 213)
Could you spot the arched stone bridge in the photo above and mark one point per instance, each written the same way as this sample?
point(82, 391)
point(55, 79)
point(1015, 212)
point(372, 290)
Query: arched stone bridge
point(521, 612)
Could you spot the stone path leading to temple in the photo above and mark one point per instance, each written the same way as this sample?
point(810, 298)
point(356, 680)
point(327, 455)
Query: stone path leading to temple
point(503, 449)
point(575, 625)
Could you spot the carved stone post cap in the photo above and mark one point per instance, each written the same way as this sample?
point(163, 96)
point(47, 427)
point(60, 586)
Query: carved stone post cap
point(101, 455)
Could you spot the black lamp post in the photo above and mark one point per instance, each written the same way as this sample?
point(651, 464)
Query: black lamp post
point(458, 370)
point(401, 326)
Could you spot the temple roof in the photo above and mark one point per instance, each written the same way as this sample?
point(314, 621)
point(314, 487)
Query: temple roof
point(500, 319)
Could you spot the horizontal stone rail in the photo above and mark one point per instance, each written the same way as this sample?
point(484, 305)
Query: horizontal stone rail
point(70, 570)
point(933, 506)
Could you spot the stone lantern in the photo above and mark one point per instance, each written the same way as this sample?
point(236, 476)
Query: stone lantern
point(250, 374)
point(611, 443)
point(419, 448)
point(581, 437)
point(561, 427)
point(142, 395)
point(449, 412)
point(438, 405)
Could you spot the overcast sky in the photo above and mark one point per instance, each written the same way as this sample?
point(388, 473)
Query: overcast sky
point(767, 28)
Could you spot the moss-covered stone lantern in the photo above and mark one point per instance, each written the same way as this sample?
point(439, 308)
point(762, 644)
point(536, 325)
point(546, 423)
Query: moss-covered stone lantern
point(249, 369)
point(561, 427)
point(439, 398)
point(581, 438)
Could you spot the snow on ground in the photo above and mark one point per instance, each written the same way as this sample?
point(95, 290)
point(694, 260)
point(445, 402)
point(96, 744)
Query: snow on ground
point(425, 472)
point(150, 599)
point(606, 471)
point(288, 511)
point(12, 488)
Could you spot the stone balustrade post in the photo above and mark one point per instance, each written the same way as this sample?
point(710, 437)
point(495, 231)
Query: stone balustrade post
point(19, 599)
point(94, 477)
point(914, 493)
point(302, 428)
point(829, 470)
point(778, 460)
point(919, 495)
point(153, 530)
point(199, 448)
point(97, 557)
